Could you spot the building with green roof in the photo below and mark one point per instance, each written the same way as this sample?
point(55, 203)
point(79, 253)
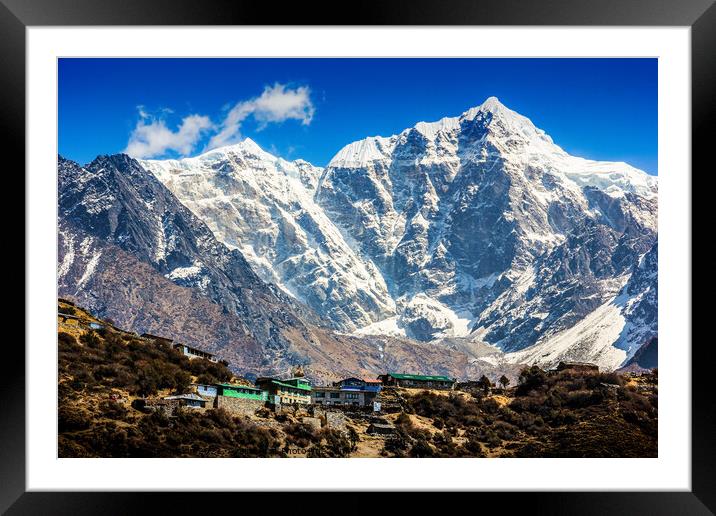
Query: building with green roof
point(417, 381)
point(241, 391)
point(295, 390)
point(231, 390)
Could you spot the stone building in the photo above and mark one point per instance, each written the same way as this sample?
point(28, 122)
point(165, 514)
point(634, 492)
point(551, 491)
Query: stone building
point(188, 400)
point(192, 352)
point(169, 404)
point(577, 367)
point(328, 395)
point(347, 392)
point(68, 319)
point(157, 338)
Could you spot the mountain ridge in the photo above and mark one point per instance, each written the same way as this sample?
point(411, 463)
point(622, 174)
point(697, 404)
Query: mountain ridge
point(477, 227)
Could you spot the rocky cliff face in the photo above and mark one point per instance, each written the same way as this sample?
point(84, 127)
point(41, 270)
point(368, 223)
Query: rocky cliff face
point(481, 226)
point(263, 206)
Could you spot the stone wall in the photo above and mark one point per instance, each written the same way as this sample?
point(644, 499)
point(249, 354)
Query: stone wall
point(333, 418)
point(156, 405)
point(240, 406)
point(336, 420)
point(169, 407)
point(294, 409)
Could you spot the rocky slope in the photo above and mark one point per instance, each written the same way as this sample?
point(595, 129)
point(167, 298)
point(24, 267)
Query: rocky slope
point(114, 205)
point(106, 377)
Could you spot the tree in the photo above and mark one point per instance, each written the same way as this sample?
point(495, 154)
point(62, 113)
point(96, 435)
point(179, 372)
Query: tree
point(485, 384)
point(504, 381)
point(182, 380)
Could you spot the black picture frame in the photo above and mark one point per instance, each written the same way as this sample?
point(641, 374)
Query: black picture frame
point(700, 15)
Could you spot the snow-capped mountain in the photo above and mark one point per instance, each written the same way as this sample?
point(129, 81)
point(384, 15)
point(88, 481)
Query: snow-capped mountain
point(476, 234)
point(481, 225)
point(263, 206)
point(129, 251)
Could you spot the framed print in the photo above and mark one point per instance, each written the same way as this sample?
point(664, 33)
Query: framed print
point(432, 250)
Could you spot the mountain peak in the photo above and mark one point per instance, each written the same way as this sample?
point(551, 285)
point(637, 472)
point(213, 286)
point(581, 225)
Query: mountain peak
point(492, 104)
point(119, 160)
point(250, 145)
point(245, 145)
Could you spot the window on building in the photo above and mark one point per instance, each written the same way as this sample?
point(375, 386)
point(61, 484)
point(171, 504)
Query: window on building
point(335, 395)
point(320, 394)
point(352, 396)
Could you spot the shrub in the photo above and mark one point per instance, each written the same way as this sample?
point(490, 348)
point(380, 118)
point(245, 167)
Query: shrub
point(583, 398)
point(473, 448)
point(67, 343)
point(490, 406)
point(504, 431)
point(91, 340)
point(332, 443)
point(531, 378)
point(504, 381)
point(452, 411)
point(82, 380)
point(182, 381)
point(421, 448)
point(215, 372)
point(69, 448)
point(300, 434)
point(103, 371)
point(445, 445)
point(71, 420)
point(113, 410)
point(147, 382)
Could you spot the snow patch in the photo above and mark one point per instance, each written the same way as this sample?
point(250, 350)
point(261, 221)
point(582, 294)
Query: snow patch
point(389, 326)
point(590, 340)
point(183, 273)
point(358, 153)
point(89, 269)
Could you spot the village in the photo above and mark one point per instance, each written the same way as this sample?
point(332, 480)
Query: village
point(317, 405)
point(370, 406)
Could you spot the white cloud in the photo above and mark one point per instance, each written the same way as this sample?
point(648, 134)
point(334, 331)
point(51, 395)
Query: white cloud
point(277, 103)
point(152, 137)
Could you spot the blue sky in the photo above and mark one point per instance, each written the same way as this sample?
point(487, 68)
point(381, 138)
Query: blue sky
point(603, 109)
